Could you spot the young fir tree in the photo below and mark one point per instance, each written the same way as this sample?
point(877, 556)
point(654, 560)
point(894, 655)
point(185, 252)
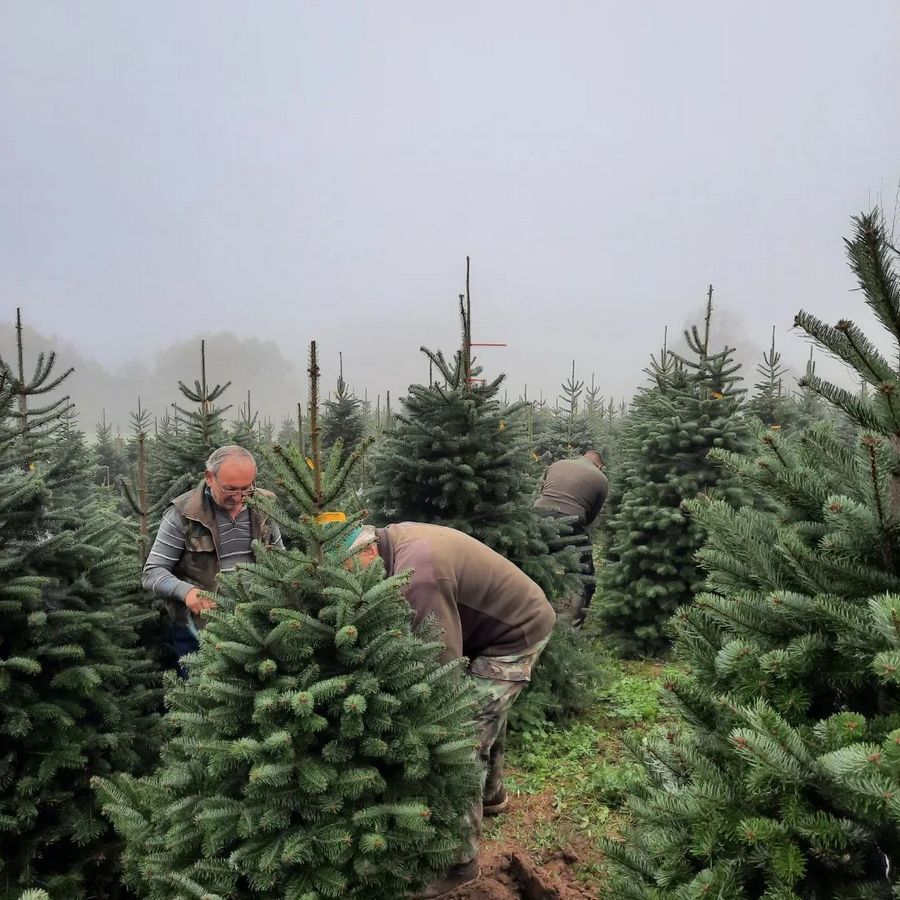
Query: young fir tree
point(693, 406)
point(155, 633)
point(266, 433)
point(136, 488)
point(185, 444)
point(343, 418)
point(244, 429)
point(78, 696)
point(320, 750)
point(769, 402)
point(569, 431)
point(288, 433)
point(457, 457)
point(109, 452)
point(782, 778)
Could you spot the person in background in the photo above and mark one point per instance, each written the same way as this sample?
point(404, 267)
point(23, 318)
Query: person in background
point(576, 488)
point(203, 532)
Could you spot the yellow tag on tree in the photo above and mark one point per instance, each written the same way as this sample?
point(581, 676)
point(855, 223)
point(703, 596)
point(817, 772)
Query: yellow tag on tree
point(326, 517)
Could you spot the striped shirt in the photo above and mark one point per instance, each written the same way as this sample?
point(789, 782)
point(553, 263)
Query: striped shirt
point(234, 547)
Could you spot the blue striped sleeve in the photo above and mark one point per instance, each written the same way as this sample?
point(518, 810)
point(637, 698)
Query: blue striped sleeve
point(164, 554)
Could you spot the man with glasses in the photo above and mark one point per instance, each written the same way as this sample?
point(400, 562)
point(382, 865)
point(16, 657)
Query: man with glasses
point(203, 532)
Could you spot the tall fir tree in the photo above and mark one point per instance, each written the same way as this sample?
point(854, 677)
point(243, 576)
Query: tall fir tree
point(136, 489)
point(457, 457)
point(288, 433)
point(770, 402)
point(183, 447)
point(780, 777)
point(692, 406)
point(244, 429)
point(78, 695)
point(343, 418)
point(320, 749)
point(569, 431)
point(109, 451)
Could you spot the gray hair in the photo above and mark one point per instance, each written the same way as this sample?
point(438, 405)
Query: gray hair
point(365, 537)
point(217, 457)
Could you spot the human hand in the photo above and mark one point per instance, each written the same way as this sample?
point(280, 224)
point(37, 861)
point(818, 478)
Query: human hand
point(197, 603)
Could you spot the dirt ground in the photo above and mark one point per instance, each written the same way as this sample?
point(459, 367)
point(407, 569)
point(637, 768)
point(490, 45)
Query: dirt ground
point(511, 871)
point(511, 875)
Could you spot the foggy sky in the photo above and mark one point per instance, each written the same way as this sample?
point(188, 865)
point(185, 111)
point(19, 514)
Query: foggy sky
point(287, 171)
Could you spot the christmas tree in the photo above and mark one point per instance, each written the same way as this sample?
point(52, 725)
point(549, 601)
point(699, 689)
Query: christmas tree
point(136, 489)
point(343, 419)
point(569, 431)
point(770, 403)
point(78, 696)
point(780, 779)
point(110, 453)
point(183, 447)
point(692, 406)
point(457, 457)
point(320, 749)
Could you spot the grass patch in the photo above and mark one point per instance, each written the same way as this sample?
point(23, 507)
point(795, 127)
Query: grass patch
point(572, 778)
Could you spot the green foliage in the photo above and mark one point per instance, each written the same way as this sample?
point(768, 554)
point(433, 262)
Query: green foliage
point(343, 418)
point(456, 457)
point(318, 749)
point(77, 695)
point(781, 778)
point(185, 443)
point(564, 682)
point(770, 402)
point(570, 430)
point(580, 762)
point(109, 452)
point(692, 406)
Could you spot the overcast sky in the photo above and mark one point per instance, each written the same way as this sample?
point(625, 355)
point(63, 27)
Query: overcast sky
point(297, 170)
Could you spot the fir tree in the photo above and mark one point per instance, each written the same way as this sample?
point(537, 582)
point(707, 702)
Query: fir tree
point(155, 633)
point(320, 749)
point(569, 431)
point(78, 696)
point(266, 433)
point(781, 778)
point(691, 407)
point(769, 402)
point(244, 429)
point(136, 489)
point(457, 457)
point(288, 433)
point(109, 452)
point(183, 447)
point(343, 419)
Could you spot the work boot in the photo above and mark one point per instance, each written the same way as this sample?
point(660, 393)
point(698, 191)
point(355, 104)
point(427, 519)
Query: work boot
point(497, 804)
point(461, 874)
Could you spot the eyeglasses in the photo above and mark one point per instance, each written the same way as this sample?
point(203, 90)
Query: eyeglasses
point(235, 492)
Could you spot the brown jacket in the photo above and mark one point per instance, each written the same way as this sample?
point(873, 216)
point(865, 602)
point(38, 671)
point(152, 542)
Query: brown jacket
point(485, 604)
point(574, 487)
point(199, 564)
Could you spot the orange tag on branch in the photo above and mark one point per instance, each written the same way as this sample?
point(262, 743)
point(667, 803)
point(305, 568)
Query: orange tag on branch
point(326, 517)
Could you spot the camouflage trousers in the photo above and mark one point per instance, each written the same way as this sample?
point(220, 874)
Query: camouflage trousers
point(501, 679)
